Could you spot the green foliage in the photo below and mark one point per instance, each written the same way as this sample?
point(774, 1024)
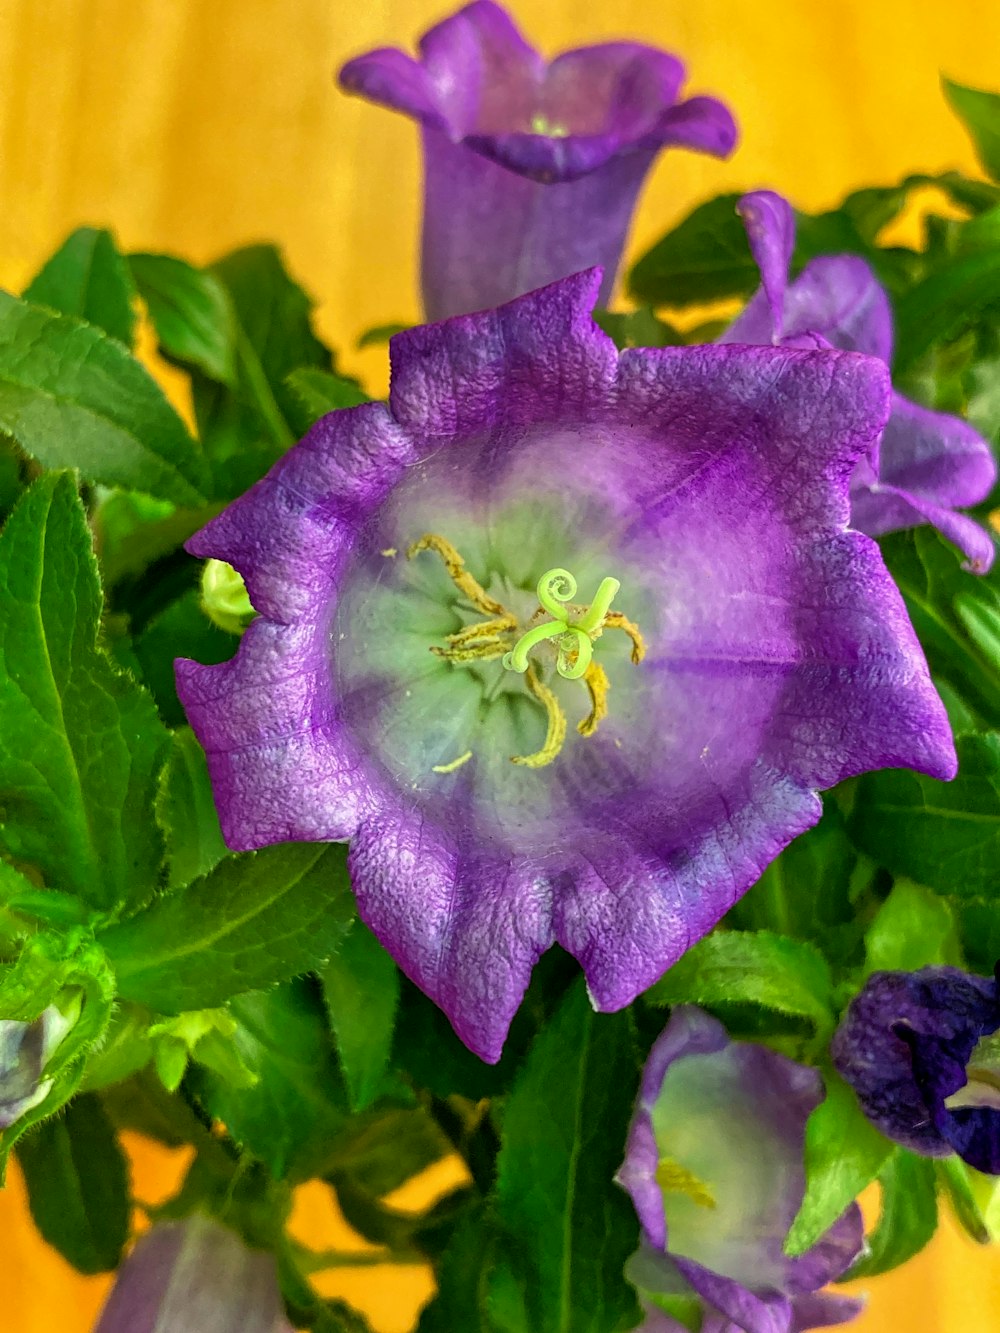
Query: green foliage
point(569, 1228)
point(74, 398)
point(191, 313)
point(908, 1216)
point(361, 989)
point(914, 928)
point(78, 1185)
point(320, 391)
point(942, 834)
point(291, 1116)
point(844, 1154)
point(980, 113)
point(81, 745)
point(255, 919)
point(752, 967)
point(186, 812)
point(89, 278)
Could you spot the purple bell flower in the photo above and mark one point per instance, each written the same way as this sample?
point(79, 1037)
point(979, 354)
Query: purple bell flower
point(194, 1276)
point(563, 642)
point(916, 1048)
point(714, 1166)
point(926, 463)
point(531, 168)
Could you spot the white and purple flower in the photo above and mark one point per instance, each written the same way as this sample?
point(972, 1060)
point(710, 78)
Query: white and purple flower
point(714, 1166)
point(926, 464)
point(732, 649)
point(916, 1048)
point(531, 168)
point(195, 1276)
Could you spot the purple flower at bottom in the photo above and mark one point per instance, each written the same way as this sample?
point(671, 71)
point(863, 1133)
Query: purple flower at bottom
point(194, 1276)
point(926, 463)
point(531, 169)
point(916, 1048)
point(563, 642)
point(714, 1166)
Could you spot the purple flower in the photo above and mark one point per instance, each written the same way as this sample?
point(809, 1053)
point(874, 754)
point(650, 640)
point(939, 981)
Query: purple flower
point(195, 1275)
point(413, 567)
point(714, 1165)
point(531, 168)
point(926, 463)
point(25, 1051)
point(915, 1047)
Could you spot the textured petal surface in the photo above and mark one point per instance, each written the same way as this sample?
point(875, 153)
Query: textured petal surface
point(904, 1047)
point(712, 483)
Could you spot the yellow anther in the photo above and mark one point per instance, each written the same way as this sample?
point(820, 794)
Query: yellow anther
point(485, 629)
point(596, 680)
point(455, 763)
point(457, 572)
point(486, 651)
point(673, 1178)
point(555, 734)
point(615, 620)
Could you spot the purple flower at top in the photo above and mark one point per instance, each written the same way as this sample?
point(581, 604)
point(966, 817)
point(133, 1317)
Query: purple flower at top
point(926, 463)
point(194, 1276)
point(916, 1048)
point(563, 642)
point(531, 168)
point(714, 1166)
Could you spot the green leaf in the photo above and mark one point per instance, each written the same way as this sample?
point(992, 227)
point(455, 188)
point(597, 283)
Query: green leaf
point(361, 989)
point(320, 391)
point(956, 1180)
point(191, 312)
point(380, 1149)
point(945, 301)
point(907, 1218)
point(844, 1153)
point(914, 928)
point(181, 629)
point(292, 1115)
point(380, 335)
point(563, 1128)
point(703, 259)
point(74, 398)
point(943, 834)
point(80, 743)
point(78, 1188)
point(89, 278)
point(257, 918)
point(979, 111)
point(806, 892)
point(752, 967)
point(938, 592)
point(637, 328)
point(185, 810)
point(462, 1276)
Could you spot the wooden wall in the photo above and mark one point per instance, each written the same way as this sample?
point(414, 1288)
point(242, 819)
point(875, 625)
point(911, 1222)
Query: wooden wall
point(198, 125)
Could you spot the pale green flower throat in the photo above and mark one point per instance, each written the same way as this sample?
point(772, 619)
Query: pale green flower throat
point(571, 631)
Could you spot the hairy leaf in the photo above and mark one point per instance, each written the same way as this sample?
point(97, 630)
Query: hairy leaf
point(89, 278)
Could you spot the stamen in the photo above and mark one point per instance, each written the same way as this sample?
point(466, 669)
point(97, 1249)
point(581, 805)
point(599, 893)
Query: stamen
point(555, 734)
point(596, 680)
point(457, 572)
point(455, 763)
point(673, 1178)
point(615, 620)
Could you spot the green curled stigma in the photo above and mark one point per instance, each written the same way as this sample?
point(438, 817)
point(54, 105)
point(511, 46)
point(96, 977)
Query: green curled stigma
point(556, 588)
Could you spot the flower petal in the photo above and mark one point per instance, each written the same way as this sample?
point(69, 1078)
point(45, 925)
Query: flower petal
point(770, 227)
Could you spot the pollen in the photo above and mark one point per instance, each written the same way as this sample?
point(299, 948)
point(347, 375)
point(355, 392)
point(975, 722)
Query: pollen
point(673, 1178)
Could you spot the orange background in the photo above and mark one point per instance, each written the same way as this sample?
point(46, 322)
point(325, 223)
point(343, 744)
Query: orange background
point(198, 125)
